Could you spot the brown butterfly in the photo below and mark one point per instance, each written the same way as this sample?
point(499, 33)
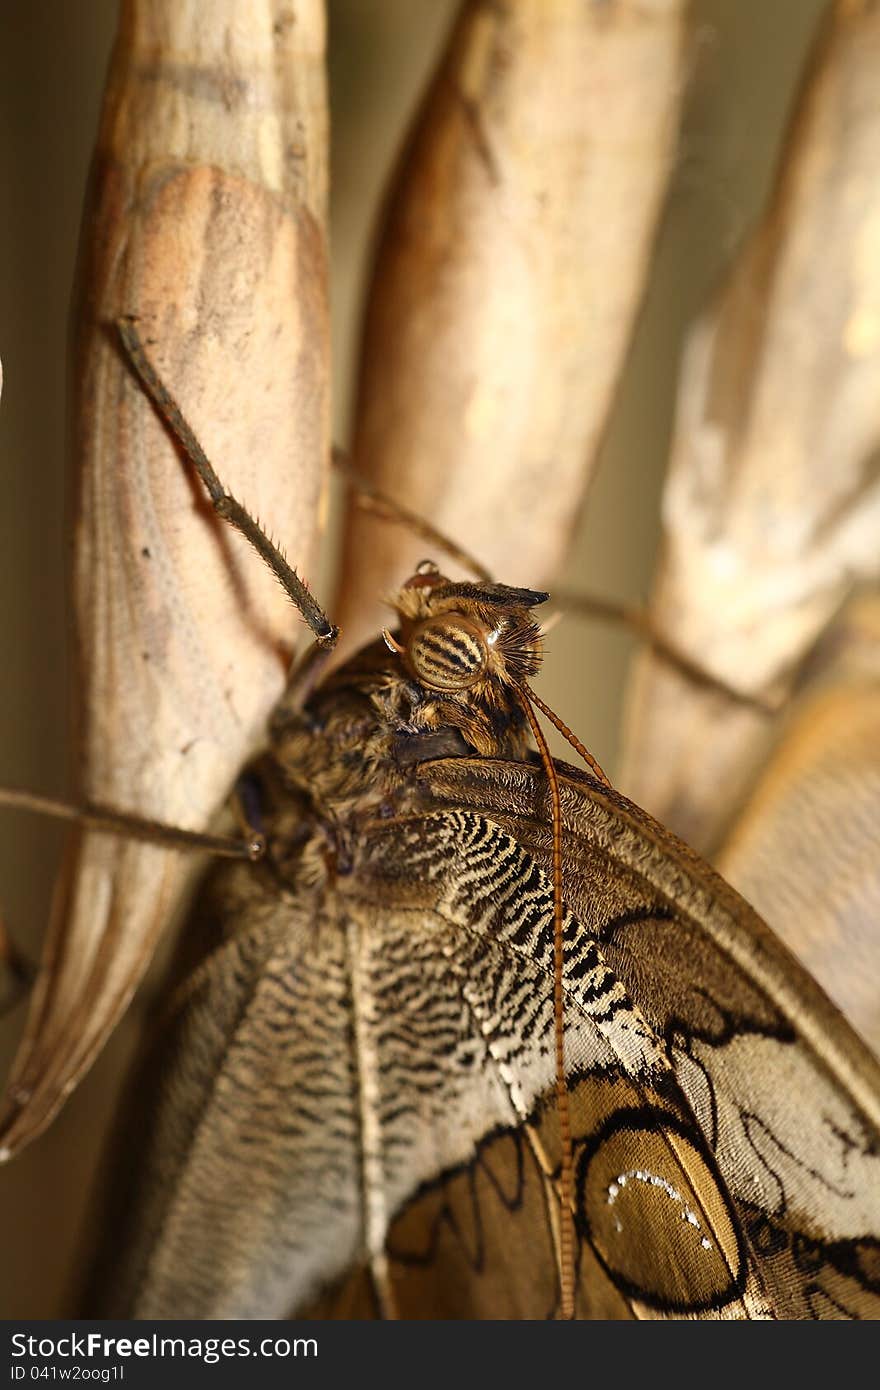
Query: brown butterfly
point(353, 1109)
point(576, 791)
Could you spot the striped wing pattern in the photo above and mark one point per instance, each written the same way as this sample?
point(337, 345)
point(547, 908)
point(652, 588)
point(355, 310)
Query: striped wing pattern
point(355, 1111)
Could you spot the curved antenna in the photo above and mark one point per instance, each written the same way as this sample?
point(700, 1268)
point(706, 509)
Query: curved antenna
point(563, 1105)
point(566, 733)
point(529, 701)
point(384, 508)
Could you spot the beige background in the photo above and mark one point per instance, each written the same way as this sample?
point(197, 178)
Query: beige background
point(52, 58)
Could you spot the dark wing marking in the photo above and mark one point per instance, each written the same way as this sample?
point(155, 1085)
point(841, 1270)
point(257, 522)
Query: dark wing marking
point(786, 1096)
point(239, 1190)
point(455, 921)
point(357, 1094)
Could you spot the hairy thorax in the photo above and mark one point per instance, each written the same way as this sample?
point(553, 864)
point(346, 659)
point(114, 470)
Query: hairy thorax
point(447, 683)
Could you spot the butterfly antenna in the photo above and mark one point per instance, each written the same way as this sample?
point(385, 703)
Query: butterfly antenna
point(563, 1105)
point(566, 733)
point(385, 508)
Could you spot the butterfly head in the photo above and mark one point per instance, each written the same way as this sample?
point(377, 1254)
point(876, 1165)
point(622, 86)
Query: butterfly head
point(465, 639)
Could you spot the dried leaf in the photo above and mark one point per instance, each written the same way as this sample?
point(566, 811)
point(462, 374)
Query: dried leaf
point(804, 851)
point(206, 222)
point(511, 266)
point(772, 505)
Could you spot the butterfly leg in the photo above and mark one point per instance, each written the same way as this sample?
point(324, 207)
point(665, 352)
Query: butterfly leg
point(385, 508)
point(224, 504)
point(115, 822)
point(638, 621)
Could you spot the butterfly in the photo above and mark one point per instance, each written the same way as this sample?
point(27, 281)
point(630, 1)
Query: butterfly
point(546, 1122)
point(352, 1110)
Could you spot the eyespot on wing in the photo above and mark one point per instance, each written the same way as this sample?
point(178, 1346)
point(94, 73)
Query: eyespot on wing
point(657, 1216)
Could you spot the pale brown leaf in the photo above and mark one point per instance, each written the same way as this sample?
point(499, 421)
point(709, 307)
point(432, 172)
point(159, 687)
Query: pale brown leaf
point(511, 265)
point(772, 506)
point(804, 850)
point(206, 221)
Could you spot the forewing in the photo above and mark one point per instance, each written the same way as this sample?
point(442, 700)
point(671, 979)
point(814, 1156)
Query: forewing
point(357, 1118)
point(454, 998)
point(780, 1131)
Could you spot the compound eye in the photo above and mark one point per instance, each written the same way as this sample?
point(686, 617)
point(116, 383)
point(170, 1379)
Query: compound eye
point(447, 653)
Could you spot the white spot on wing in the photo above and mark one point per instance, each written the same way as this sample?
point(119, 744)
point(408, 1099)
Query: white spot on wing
point(655, 1180)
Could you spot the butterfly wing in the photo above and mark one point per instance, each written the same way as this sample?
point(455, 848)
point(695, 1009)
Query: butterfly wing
point(357, 1104)
point(323, 1064)
point(240, 1128)
point(783, 1093)
point(461, 1154)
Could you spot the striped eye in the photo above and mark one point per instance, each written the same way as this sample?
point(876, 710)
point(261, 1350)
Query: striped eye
point(447, 653)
